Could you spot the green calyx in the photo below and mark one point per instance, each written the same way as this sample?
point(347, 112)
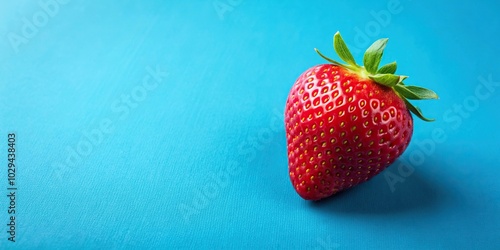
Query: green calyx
point(384, 75)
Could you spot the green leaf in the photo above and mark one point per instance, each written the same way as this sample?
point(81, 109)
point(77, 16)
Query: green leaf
point(326, 58)
point(389, 68)
point(415, 110)
point(388, 80)
point(373, 55)
point(342, 50)
point(415, 93)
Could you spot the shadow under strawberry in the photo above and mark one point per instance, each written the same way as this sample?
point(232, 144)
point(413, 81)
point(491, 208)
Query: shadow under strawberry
point(416, 192)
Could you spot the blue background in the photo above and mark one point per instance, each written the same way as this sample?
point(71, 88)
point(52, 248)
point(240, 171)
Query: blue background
point(143, 172)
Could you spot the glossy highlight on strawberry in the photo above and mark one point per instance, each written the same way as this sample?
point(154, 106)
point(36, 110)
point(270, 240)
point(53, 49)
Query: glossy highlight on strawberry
point(347, 123)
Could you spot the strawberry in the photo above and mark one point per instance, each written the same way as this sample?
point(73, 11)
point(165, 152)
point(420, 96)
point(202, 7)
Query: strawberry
point(345, 123)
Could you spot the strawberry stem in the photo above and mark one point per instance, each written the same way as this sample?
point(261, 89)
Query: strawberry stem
point(384, 75)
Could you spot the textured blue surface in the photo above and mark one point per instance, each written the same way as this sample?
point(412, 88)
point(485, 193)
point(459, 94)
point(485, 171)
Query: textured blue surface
point(148, 124)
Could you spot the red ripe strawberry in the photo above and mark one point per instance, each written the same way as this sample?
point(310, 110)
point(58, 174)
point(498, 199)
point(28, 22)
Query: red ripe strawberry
point(347, 123)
